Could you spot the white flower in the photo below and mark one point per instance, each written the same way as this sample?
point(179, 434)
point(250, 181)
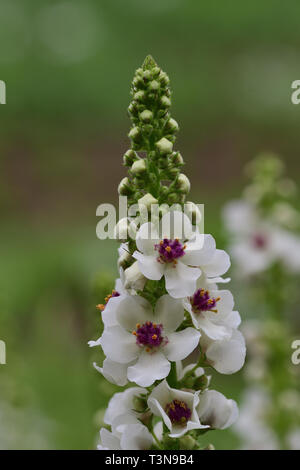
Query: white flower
point(148, 339)
point(175, 254)
point(227, 356)
point(109, 308)
point(133, 437)
point(252, 426)
point(216, 410)
point(211, 310)
point(133, 278)
point(177, 409)
point(258, 243)
point(121, 408)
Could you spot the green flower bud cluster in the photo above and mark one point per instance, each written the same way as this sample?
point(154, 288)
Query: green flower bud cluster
point(151, 159)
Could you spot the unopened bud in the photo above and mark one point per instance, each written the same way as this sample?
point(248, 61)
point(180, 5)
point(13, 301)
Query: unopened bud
point(121, 230)
point(146, 115)
point(138, 167)
point(134, 279)
point(124, 188)
point(163, 78)
point(183, 183)
point(147, 201)
point(124, 259)
point(129, 157)
point(187, 442)
point(154, 85)
point(210, 447)
point(172, 125)
point(139, 95)
point(147, 75)
point(165, 101)
point(135, 134)
point(139, 404)
point(194, 212)
point(201, 382)
point(177, 159)
point(164, 146)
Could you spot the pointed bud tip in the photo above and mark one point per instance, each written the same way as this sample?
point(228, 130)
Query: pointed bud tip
point(149, 63)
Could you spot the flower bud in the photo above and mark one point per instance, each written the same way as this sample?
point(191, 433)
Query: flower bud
point(165, 101)
point(163, 78)
point(139, 95)
point(147, 75)
point(133, 278)
point(164, 146)
point(201, 382)
point(124, 259)
point(129, 157)
point(146, 115)
point(183, 183)
point(155, 71)
point(147, 201)
point(124, 188)
point(139, 404)
point(172, 125)
point(138, 167)
point(154, 85)
point(121, 230)
point(135, 134)
point(210, 447)
point(187, 442)
point(177, 159)
point(138, 81)
point(194, 212)
point(173, 198)
point(132, 109)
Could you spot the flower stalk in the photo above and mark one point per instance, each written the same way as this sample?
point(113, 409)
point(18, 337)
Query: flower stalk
point(167, 307)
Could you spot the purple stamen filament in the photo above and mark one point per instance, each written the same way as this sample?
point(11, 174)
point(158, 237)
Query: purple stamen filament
point(178, 412)
point(169, 250)
point(201, 301)
point(149, 334)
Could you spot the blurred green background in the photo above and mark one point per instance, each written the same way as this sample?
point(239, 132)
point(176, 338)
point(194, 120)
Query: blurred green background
point(67, 67)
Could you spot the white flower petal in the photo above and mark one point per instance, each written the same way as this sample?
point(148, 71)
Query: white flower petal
point(132, 310)
point(181, 344)
point(227, 356)
point(122, 403)
point(202, 255)
point(216, 410)
point(176, 224)
point(149, 368)
point(181, 280)
point(119, 345)
point(113, 371)
point(109, 312)
point(136, 437)
point(169, 312)
point(149, 266)
point(218, 265)
point(147, 238)
point(109, 441)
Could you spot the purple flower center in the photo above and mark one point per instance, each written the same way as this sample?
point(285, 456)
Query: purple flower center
point(178, 412)
point(169, 250)
point(201, 301)
point(149, 334)
point(259, 241)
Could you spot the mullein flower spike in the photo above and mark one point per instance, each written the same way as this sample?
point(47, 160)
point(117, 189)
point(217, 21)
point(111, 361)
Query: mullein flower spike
point(166, 305)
